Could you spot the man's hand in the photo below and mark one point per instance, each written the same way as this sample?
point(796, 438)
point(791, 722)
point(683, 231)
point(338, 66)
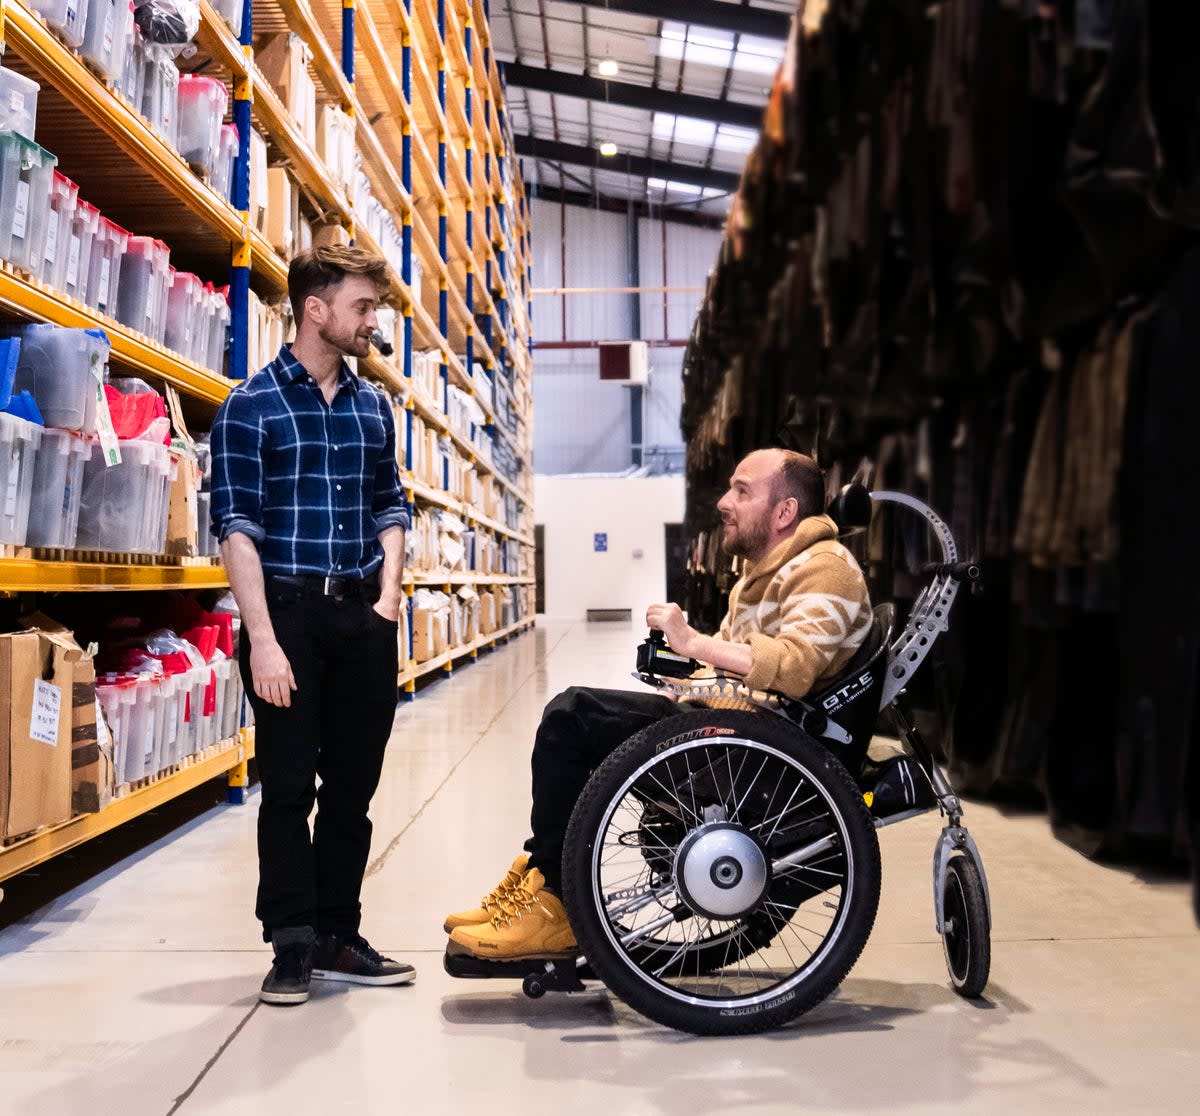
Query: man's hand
point(388, 607)
point(669, 619)
point(272, 673)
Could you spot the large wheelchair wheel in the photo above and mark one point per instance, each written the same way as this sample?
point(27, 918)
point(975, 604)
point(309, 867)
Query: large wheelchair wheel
point(721, 872)
point(966, 938)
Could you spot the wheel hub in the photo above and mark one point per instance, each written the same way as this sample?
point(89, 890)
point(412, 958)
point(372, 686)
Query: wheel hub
point(721, 871)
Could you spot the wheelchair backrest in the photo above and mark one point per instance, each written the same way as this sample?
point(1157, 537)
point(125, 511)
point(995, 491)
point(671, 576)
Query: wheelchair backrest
point(851, 700)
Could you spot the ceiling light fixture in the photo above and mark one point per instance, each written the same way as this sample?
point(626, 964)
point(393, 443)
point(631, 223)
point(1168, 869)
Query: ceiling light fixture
point(608, 149)
point(608, 68)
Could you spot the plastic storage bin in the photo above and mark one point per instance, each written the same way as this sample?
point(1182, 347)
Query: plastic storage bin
point(214, 327)
point(202, 104)
point(104, 269)
point(26, 175)
point(232, 12)
point(142, 296)
point(19, 442)
point(222, 175)
point(18, 103)
point(184, 297)
point(160, 96)
point(62, 368)
point(57, 484)
point(106, 36)
point(67, 17)
point(64, 197)
point(123, 507)
point(77, 261)
point(116, 696)
point(133, 74)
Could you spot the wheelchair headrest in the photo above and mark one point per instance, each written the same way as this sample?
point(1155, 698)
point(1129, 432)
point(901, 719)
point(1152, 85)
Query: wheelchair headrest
point(850, 509)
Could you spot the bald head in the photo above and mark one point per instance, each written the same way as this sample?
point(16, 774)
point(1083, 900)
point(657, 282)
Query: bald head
point(770, 491)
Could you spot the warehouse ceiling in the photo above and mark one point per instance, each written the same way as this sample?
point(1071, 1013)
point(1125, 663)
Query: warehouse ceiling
point(632, 99)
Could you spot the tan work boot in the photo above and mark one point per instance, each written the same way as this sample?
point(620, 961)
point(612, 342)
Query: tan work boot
point(530, 923)
point(489, 904)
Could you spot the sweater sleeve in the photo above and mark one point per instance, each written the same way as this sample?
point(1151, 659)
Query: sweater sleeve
point(824, 612)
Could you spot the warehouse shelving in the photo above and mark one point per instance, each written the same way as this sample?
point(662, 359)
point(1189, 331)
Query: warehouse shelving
point(434, 157)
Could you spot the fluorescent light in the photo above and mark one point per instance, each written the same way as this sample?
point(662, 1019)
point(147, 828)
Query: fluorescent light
point(608, 68)
point(608, 149)
point(732, 138)
point(671, 187)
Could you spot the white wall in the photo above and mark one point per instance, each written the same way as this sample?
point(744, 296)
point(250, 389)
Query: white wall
point(632, 512)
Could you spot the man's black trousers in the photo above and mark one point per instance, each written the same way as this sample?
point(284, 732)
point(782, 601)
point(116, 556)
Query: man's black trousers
point(579, 729)
point(343, 655)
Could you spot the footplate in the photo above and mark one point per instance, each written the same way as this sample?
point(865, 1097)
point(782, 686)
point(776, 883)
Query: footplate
point(538, 976)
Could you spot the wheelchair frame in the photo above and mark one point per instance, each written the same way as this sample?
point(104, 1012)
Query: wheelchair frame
point(928, 620)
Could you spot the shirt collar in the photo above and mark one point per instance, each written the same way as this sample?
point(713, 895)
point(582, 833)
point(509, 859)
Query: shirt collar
point(289, 370)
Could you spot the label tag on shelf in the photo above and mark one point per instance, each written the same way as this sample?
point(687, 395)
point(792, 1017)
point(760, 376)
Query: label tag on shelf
point(43, 719)
point(73, 262)
point(14, 483)
point(51, 249)
point(104, 424)
point(21, 210)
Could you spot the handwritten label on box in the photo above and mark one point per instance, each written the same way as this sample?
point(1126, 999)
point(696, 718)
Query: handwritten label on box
point(47, 705)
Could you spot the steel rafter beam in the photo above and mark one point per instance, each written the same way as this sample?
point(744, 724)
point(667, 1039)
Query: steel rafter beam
point(639, 165)
point(628, 95)
point(706, 13)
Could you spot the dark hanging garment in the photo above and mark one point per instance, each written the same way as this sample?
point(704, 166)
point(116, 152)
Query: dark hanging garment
point(1158, 645)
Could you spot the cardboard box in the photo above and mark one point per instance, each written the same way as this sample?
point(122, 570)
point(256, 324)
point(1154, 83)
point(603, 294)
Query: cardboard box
point(182, 520)
point(424, 622)
point(283, 210)
point(283, 60)
point(36, 710)
point(487, 612)
point(93, 777)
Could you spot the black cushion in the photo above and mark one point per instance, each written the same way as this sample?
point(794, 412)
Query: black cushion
point(850, 509)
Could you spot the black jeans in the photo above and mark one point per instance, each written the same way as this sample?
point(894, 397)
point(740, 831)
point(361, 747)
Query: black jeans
point(579, 729)
point(343, 655)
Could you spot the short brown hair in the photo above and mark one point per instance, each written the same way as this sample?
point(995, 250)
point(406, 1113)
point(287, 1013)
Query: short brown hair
point(799, 476)
point(316, 271)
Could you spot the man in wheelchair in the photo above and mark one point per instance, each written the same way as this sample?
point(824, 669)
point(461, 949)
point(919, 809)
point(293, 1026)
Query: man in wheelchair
point(797, 617)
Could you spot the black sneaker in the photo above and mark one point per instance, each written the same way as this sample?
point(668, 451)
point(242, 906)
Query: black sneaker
point(350, 958)
point(900, 787)
point(287, 982)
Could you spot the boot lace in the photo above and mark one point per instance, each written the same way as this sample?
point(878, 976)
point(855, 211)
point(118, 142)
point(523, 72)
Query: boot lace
point(513, 905)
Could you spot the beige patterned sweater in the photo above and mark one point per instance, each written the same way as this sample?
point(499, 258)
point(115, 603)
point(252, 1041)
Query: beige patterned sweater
point(803, 609)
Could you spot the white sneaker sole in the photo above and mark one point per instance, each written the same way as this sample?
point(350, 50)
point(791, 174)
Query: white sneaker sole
point(354, 978)
point(284, 998)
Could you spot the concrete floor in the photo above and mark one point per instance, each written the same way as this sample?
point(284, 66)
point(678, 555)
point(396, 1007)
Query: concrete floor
point(135, 992)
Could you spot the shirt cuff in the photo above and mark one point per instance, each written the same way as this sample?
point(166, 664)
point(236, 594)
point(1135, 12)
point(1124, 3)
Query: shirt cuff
point(239, 524)
point(396, 517)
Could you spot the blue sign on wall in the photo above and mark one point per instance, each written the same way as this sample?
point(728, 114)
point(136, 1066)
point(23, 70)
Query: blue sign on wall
point(600, 541)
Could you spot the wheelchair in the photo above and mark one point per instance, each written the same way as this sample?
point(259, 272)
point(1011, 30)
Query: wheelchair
point(721, 869)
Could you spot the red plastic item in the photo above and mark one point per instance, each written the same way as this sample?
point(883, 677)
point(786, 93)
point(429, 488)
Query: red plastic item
point(204, 639)
point(132, 414)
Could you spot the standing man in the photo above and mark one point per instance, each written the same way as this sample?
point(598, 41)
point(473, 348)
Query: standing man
point(307, 504)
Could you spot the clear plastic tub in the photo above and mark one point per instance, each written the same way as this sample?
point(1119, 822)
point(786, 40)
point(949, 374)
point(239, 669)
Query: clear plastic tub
point(64, 197)
point(215, 319)
point(106, 36)
point(78, 251)
point(26, 175)
point(231, 713)
point(18, 103)
point(202, 105)
point(145, 275)
point(124, 507)
point(19, 442)
point(139, 731)
point(167, 725)
point(62, 368)
point(57, 484)
point(231, 11)
point(67, 17)
point(116, 697)
point(104, 269)
point(133, 72)
point(222, 175)
point(160, 96)
point(183, 310)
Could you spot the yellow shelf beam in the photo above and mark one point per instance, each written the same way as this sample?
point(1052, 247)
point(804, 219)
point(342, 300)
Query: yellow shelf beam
point(31, 574)
point(48, 843)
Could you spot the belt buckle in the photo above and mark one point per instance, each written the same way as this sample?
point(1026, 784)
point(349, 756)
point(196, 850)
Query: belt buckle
point(335, 587)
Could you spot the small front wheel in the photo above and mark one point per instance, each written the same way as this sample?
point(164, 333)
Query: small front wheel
point(966, 939)
point(533, 987)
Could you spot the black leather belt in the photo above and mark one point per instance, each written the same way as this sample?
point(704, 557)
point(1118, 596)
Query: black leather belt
point(313, 585)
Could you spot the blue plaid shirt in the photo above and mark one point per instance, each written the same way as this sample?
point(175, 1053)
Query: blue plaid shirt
point(313, 484)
